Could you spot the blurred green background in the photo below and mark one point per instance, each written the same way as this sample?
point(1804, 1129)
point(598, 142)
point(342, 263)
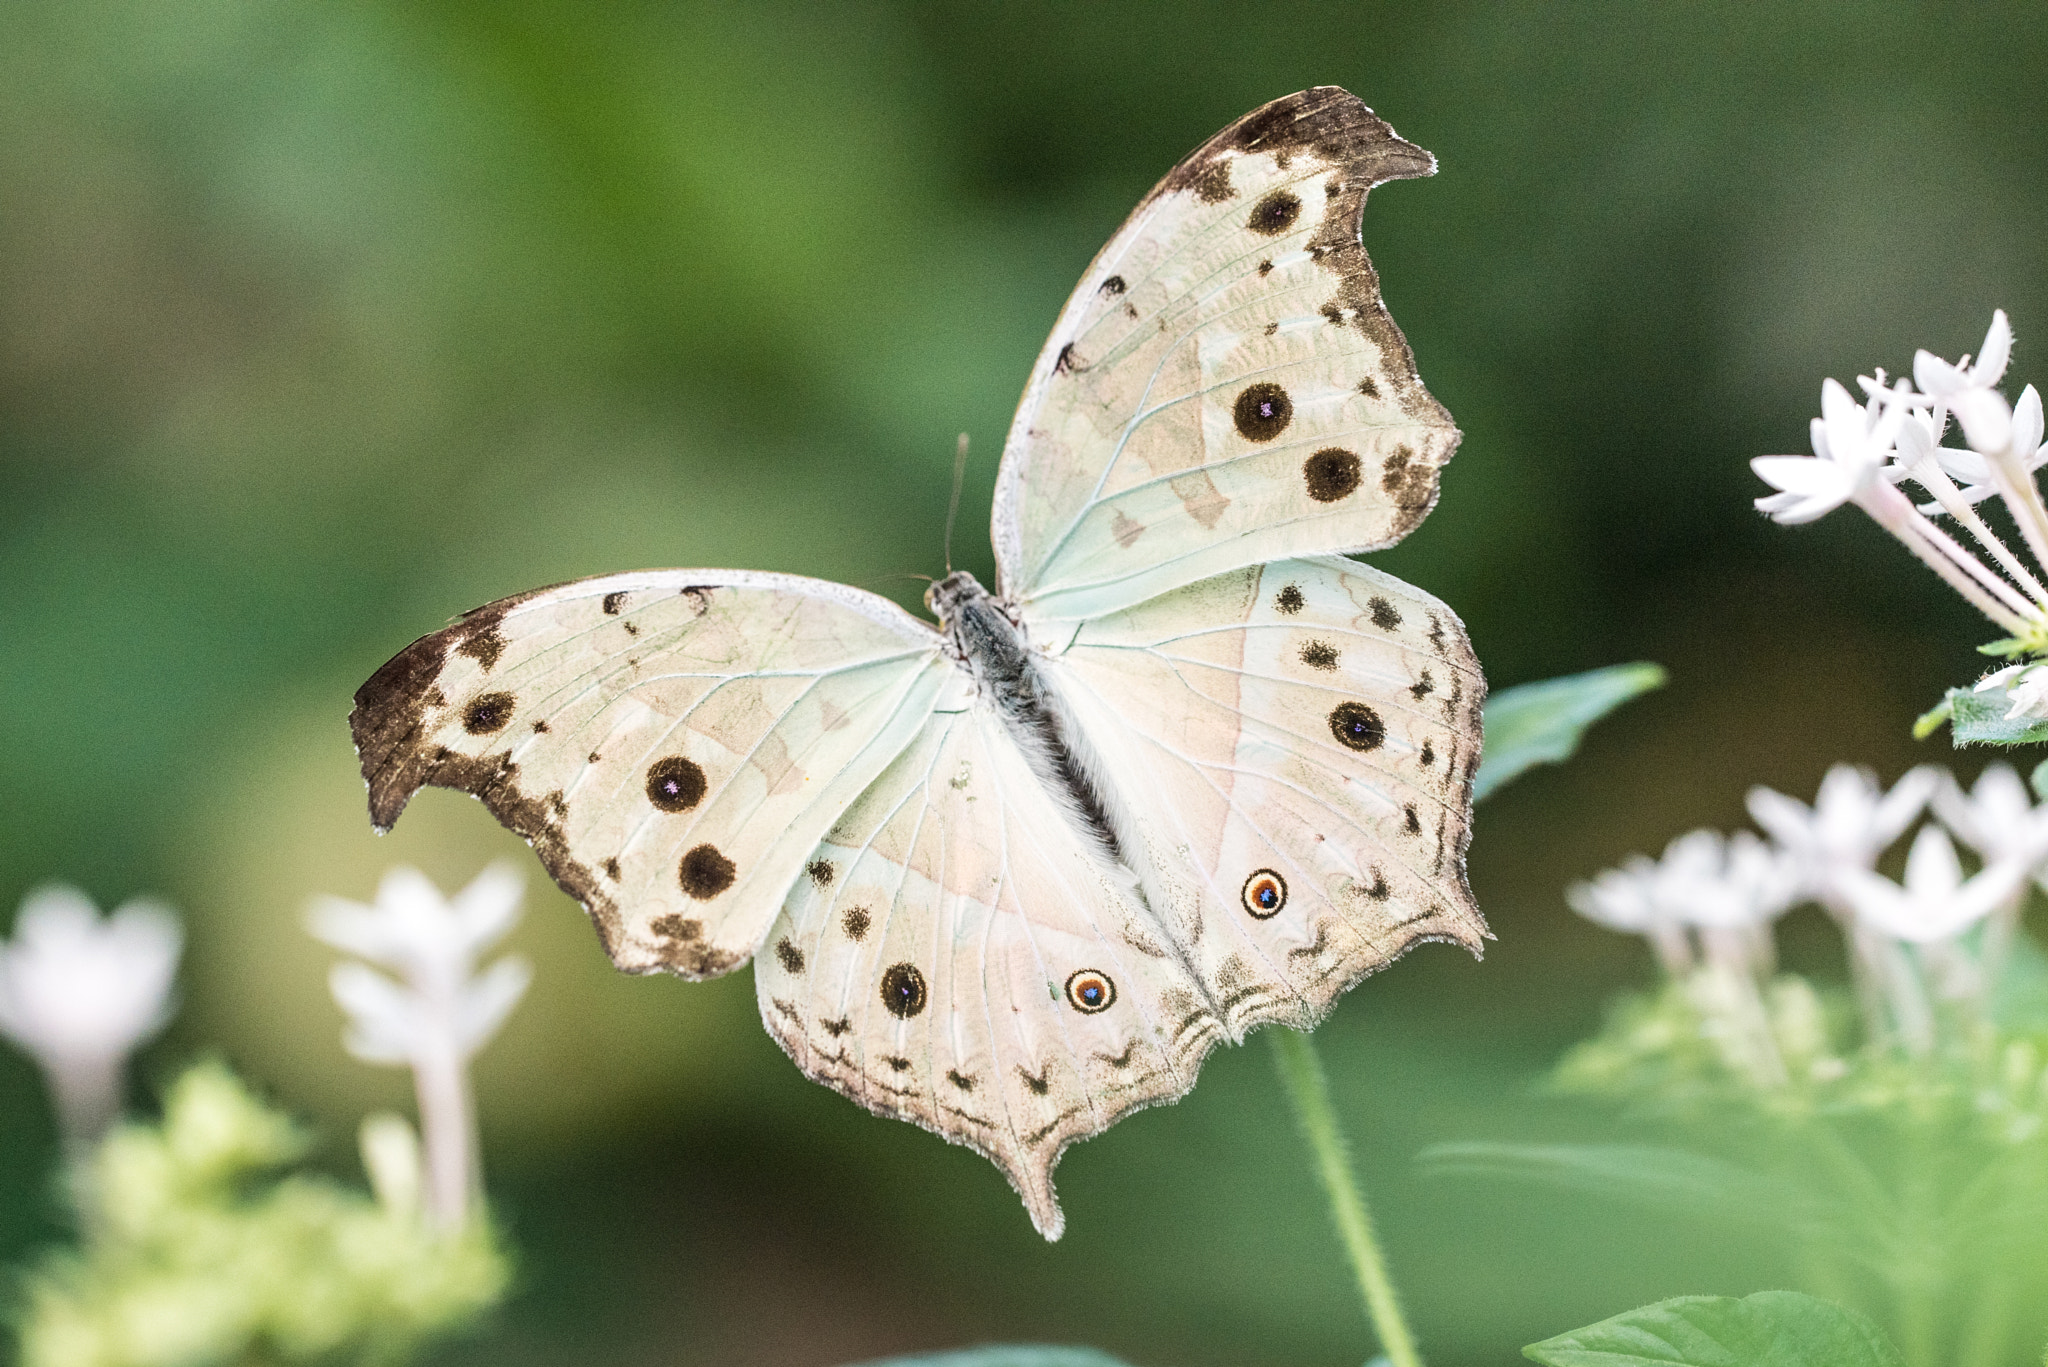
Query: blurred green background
point(322, 322)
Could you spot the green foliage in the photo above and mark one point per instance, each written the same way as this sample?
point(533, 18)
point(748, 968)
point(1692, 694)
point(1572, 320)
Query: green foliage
point(1006, 1355)
point(1979, 719)
point(1541, 723)
point(1768, 1329)
point(196, 1253)
point(1914, 1187)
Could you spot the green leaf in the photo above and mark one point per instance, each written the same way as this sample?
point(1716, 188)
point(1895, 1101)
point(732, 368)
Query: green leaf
point(1005, 1355)
point(1768, 1329)
point(1979, 719)
point(1540, 723)
point(1932, 720)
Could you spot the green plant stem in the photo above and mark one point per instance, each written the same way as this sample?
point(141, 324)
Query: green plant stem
point(1308, 1087)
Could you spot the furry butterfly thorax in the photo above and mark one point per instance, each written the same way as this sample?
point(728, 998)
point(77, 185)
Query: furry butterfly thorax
point(1187, 770)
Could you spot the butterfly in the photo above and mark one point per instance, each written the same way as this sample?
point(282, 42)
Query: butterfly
point(1185, 771)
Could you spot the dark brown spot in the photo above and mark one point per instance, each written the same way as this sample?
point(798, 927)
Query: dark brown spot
point(487, 714)
point(855, 923)
point(1410, 481)
point(1414, 823)
point(613, 602)
point(821, 872)
point(595, 757)
point(700, 597)
point(1113, 285)
point(1332, 473)
point(1428, 753)
point(1357, 726)
point(1265, 268)
point(953, 1075)
point(1289, 600)
point(1319, 655)
point(1122, 1060)
point(558, 804)
point(787, 1008)
point(705, 872)
point(1385, 615)
point(839, 1027)
point(1263, 894)
point(1332, 314)
point(1422, 687)
point(484, 645)
point(1064, 363)
point(903, 990)
point(675, 784)
point(1263, 411)
point(611, 869)
point(1379, 892)
point(1368, 388)
point(540, 728)
point(898, 1062)
point(676, 927)
point(1039, 1083)
point(792, 958)
point(1275, 213)
point(1272, 328)
point(632, 628)
point(1212, 182)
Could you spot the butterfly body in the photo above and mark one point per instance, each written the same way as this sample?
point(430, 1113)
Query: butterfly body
point(1187, 771)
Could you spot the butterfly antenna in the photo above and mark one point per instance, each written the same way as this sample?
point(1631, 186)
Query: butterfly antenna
point(953, 508)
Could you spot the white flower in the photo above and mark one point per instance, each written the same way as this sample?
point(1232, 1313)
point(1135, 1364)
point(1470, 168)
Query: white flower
point(1969, 468)
point(1852, 821)
point(1704, 882)
point(433, 944)
point(1997, 818)
point(1970, 390)
point(2026, 688)
point(440, 1014)
point(1937, 902)
point(1852, 444)
point(80, 995)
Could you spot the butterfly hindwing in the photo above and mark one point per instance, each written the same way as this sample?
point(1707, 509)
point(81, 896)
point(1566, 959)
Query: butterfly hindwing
point(1225, 386)
point(1304, 736)
point(672, 743)
point(958, 958)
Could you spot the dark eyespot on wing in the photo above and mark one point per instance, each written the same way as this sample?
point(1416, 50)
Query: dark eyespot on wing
point(791, 957)
point(1090, 991)
point(903, 990)
point(1262, 411)
point(1275, 213)
point(1331, 473)
point(1356, 726)
point(675, 784)
point(704, 873)
point(488, 713)
point(1289, 600)
point(1264, 894)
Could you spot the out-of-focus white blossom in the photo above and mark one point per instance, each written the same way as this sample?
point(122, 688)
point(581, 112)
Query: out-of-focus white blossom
point(1936, 902)
point(1719, 886)
point(1852, 821)
point(79, 994)
point(1997, 818)
point(438, 1011)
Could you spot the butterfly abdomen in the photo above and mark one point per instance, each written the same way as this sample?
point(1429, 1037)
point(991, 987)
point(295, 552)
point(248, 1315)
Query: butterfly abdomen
point(992, 647)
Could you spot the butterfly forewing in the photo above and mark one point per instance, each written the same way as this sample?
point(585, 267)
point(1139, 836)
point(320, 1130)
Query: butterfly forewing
point(1225, 386)
point(955, 956)
point(671, 743)
point(1303, 735)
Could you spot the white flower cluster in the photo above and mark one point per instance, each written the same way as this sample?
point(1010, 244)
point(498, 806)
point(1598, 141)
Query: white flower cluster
point(1935, 939)
point(1862, 452)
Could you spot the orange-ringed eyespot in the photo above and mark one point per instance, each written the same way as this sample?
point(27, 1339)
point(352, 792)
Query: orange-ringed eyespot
point(1265, 892)
point(1090, 991)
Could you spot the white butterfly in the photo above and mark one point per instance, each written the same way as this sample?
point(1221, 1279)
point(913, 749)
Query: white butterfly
point(1187, 771)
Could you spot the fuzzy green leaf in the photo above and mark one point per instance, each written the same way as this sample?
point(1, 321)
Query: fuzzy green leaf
point(1768, 1329)
point(1979, 719)
point(1540, 723)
